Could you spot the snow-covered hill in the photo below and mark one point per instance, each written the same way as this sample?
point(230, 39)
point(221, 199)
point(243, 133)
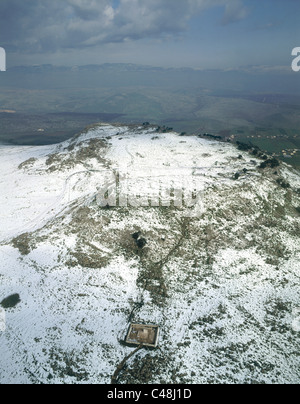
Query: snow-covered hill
point(219, 274)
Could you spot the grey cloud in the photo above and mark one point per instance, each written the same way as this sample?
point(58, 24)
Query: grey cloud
point(234, 11)
point(49, 25)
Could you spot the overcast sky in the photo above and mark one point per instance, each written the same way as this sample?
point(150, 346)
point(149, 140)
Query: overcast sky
point(170, 33)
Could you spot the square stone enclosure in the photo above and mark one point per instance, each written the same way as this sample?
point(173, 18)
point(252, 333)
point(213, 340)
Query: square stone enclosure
point(143, 334)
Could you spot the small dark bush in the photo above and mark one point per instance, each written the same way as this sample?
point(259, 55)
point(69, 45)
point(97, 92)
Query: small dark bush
point(263, 165)
point(272, 163)
point(141, 242)
point(215, 137)
point(283, 183)
point(243, 146)
point(10, 301)
point(136, 235)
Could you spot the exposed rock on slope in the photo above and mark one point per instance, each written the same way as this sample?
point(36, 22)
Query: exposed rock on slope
point(219, 271)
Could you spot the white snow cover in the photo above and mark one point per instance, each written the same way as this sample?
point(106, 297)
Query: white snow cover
point(220, 277)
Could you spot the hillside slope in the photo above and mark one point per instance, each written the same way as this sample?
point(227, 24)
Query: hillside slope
point(218, 272)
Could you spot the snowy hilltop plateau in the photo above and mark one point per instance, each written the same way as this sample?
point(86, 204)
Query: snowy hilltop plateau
point(133, 224)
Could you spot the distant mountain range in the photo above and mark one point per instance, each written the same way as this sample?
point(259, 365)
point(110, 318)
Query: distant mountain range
point(248, 78)
point(137, 67)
